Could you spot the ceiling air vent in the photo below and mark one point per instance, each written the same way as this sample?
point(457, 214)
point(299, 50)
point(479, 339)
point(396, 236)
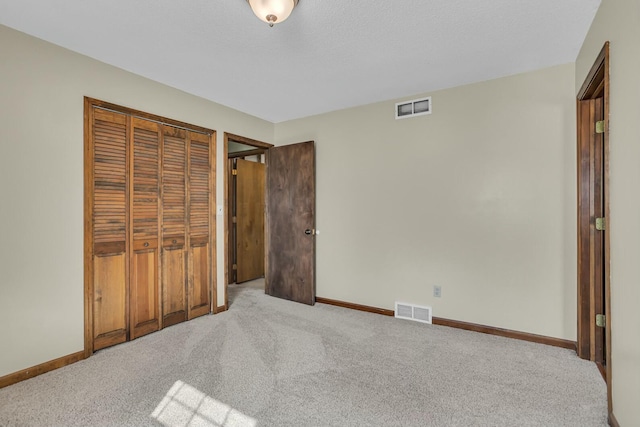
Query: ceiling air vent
point(416, 107)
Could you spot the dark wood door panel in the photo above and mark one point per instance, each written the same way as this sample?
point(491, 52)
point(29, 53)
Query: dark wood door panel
point(597, 203)
point(591, 242)
point(291, 222)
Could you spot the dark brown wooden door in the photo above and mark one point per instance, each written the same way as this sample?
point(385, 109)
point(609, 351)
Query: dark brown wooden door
point(174, 205)
point(144, 201)
point(598, 238)
point(109, 228)
point(290, 272)
point(591, 240)
point(250, 188)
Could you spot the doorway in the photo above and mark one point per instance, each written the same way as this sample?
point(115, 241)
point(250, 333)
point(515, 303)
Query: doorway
point(289, 217)
point(594, 309)
point(245, 171)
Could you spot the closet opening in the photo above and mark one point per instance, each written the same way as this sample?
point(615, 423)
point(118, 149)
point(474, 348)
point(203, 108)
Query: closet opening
point(149, 226)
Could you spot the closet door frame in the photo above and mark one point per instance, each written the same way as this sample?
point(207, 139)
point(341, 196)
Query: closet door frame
point(89, 105)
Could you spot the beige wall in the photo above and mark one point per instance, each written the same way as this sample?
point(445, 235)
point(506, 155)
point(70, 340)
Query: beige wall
point(41, 185)
point(619, 22)
point(478, 198)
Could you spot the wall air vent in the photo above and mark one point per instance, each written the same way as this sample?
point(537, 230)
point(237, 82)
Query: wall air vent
point(413, 312)
point(416, 107)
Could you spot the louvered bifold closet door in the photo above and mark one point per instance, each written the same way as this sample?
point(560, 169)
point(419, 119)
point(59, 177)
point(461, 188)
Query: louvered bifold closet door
point(199, 200)
point(174, 220)
point(109, 227)
point(144, 202)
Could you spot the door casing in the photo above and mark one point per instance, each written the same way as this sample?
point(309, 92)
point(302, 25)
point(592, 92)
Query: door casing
point(590, 301)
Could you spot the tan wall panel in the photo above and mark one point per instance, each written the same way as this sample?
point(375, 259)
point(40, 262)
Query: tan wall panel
point(478, 198)
point(42, 88)
point(619, 23)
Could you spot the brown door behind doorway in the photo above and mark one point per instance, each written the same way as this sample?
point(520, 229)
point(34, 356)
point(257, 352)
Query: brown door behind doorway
point(250, 188)
point(291, 222)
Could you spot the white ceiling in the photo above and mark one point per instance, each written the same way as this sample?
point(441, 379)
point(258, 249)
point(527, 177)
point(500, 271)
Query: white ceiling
point(329, 55)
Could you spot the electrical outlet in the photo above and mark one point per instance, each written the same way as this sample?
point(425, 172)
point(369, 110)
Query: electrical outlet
point(437, 291)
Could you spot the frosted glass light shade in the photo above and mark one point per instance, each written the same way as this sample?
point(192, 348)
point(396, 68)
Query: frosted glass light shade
point(272, 11)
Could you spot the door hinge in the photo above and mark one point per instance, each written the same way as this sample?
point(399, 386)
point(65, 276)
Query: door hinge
point(600, 126)
point(601, 320)
point(601, 224)
point(234, 172)
point(235, 266)
point(234, 219)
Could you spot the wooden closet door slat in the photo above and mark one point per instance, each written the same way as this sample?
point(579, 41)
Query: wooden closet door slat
point(199, 202)
point(174, 164)
point(144, 203)
point(109, 227)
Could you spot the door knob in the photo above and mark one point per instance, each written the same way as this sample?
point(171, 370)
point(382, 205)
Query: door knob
point(308, 232)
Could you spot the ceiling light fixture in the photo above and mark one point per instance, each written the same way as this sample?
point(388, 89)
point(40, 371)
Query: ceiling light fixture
point(272, 11)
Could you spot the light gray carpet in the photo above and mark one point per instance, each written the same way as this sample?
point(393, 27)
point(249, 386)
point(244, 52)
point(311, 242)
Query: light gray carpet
point(270, 362)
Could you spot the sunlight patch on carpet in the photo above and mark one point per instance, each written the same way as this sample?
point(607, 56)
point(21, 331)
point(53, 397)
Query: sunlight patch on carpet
point(186, 406)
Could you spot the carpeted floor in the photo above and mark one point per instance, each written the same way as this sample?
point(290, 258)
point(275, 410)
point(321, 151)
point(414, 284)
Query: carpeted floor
point(270, 362)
